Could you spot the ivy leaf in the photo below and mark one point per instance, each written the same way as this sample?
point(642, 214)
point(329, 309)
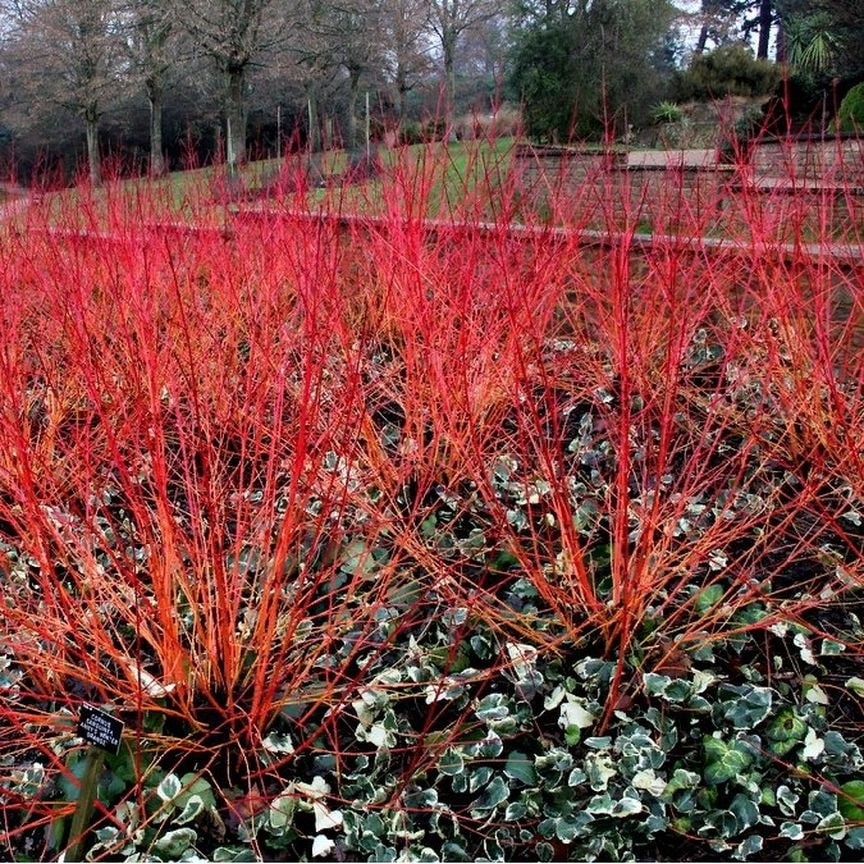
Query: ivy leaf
point(813, 746)
point(832, 825)
point(451, 762)
point(723, 761)
point(515, 810)
point(281, 811)
point(851, 801)
point(174, 843)
point(321, 845)
point(747, 847)
point(855, 838)
point(497, 792)
point(169, 788)
point(197, 786)
point(785, 731)
point(279, 743)
point(192, 809)
point(745, 811)
point(749, 706)
point(520, 767)
point(225, 854)
point(707, 598)
point(495, 706)
point(856, 685)
point(566, 830)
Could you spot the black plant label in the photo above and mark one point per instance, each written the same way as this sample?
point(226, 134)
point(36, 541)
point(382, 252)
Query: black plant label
point(99, 729)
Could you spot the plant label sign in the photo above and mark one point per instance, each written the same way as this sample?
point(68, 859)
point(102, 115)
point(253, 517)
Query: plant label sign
point(99, 729)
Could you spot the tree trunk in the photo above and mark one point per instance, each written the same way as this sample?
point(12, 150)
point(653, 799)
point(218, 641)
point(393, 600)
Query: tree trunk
point(235, 113)
point(401, 92)
point(702, 41)
point(766, 19)
point(781, 54)
point(313, 136)
point(351, 143)
point(448, 50)
point(154, 96)
point(94, 162)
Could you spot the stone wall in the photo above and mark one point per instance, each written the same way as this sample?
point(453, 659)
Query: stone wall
point(788, 190)
point(601, 189)
point(838, 159)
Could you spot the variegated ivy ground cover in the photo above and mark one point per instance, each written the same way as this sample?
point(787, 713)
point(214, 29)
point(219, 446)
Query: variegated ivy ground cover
point(742, 766)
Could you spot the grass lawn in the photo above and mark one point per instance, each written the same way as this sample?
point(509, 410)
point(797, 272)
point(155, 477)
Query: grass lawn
point(442, 173)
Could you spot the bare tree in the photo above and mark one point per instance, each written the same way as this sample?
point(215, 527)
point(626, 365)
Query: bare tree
point(342, 37)
point(406, 54)
point(152, 43)
point(67, 54)
point(449, 19)
point(233, 34)
point(716, 20)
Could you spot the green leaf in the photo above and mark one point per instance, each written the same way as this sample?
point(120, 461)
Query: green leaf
point(566, 830)
point(515, 810)
point(357, 560)
point(374, 824)
point(785, 731)
point(174, 843)
point(707, 598)
point(520, 766)
point(855, 838)
point(495, 706)
point(600, 769)
point(421, 799)
point(544, 851)
point(833, 825)
point(830, 647)
point(678, 690)
point(227, 854)
point(277, 742)
point(169, 788)
point(451, 762)
point(497, 792)
point(600, 805)
point(195, 785)
point(69, 787)
point(452, 852)
point(787, 800)
point(851, 801)
point(627, 807)
point(746, 812)
point(655, 684)
point(723, 761)
point(681, 779)
point(191, 810)
point(749, 707)
point(576, 777)
point(747, 847)
point(856, 685)
point(822, 802)
point(491, 746)
point(479, 778)
point(281, 811)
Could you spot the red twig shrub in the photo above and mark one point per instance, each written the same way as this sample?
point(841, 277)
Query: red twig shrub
point(236, 469)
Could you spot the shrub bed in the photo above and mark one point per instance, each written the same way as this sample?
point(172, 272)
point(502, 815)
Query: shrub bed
point(396, 545)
